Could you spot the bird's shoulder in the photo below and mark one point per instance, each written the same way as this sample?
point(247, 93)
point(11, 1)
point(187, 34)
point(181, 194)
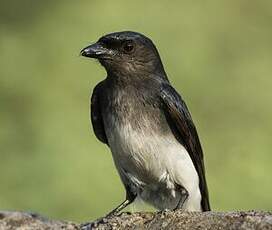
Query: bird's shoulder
point(172, 99)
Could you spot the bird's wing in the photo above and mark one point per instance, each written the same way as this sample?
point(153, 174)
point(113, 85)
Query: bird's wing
point(180, 121)
point(96, 117)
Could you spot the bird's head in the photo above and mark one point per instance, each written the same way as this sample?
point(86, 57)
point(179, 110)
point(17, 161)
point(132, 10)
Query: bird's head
point(126, 53)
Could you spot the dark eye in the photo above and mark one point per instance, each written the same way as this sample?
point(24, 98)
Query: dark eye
point(128, 47)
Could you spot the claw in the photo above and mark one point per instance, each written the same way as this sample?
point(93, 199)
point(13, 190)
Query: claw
point(87, 226)
point(90, 225)
point(94, 224)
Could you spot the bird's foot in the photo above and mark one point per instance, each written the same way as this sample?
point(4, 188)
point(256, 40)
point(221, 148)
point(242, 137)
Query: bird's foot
point(124, 213)
point(92, 225)
point(163, 212)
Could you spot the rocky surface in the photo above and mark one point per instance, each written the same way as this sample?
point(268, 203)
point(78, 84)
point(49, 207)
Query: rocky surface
point(145, 220)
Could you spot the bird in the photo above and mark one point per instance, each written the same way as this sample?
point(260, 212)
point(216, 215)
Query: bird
point(146, 124)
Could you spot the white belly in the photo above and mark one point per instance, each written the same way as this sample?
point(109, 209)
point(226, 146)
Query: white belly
point(153, 164)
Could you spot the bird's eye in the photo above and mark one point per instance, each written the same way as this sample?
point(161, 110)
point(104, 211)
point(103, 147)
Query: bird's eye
point(128, 47)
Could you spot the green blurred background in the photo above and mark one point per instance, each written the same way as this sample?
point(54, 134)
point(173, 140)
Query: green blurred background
point(217, 53)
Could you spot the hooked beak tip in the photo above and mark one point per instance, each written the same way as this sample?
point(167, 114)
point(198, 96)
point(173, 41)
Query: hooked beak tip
point(83, 53)
point(94, 51)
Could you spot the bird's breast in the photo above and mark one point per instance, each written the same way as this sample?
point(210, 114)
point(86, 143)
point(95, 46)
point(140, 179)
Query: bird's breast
point(133, 128)
point(138, 150)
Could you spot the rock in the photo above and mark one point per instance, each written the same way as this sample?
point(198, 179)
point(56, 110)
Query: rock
point(31, 221)
point(145, 220)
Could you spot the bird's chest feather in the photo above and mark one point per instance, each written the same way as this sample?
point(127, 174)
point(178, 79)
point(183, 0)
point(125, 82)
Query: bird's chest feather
point(134, 128)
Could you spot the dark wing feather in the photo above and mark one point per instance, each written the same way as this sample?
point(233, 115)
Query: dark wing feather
point(180, 121)
point(96, 117)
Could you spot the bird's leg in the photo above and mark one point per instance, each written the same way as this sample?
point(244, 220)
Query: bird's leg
point(183, 197)
point(120, 207)
point(114, 212)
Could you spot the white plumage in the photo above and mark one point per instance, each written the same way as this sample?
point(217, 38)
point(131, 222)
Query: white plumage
point(152, 164)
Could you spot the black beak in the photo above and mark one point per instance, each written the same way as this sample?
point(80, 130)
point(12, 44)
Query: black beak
point(94, 51)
